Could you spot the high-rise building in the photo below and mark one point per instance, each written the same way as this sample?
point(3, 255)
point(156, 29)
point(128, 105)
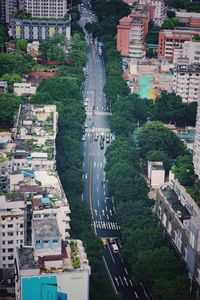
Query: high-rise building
point(186, 82)
point(158, 10)
point(46, 8)
point(169, 40)
point(179, 215)
point(196, 150)
point(131, 33)
point(12, 227)
point(188, 53)
point(51, 268)
point(7, 8)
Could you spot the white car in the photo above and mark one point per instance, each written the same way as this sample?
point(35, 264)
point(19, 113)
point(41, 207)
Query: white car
point(83, 137)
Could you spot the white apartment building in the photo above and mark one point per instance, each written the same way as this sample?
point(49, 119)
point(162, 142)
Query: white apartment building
point(186, 82)
point(136, 45)
point(12, 228)
point(188, 53)
point(196, 150)
point(46, 8)
point(159, 13)
point(24, 88)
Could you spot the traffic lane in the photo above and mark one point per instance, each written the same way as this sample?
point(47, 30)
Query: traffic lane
point(123, 283)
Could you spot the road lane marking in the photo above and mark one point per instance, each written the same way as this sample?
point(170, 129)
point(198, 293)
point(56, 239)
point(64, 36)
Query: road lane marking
point(85, 175)
point(104, 192)
point(130, 282)
point(98, 153)
point(125, 280)
point(103, 212)
point(121, 280)
point(83, 164)
point(97, 176)
point(136, 295)
point(97, 189)
point(108, 217)
point(126, 271)
point(98, 202)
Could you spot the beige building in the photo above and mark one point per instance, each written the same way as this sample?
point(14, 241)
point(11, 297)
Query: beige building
point(24, 88)
point(186, 82)
point(46, 8)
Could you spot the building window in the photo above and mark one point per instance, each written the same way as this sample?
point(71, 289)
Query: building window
point(37, 242)
point(55, 241)
point(10, 233)
point(10, 250)
point(10, 242)
point(10, 225)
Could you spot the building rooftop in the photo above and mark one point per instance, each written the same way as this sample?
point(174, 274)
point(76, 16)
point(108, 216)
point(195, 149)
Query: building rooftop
point(14, 201)
point(175, 203)
point(185, 14)
point(26, 259)
point(36, 126)
point(72, 257)
point(155, 167)
point(45, 228)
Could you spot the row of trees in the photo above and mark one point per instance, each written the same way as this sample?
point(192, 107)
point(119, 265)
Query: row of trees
point(145, 251)
point(64, 91)
point(168, 107)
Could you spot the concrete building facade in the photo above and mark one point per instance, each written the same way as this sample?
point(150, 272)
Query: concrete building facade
point(196, 150)
point(131, 33)
point(169, 40)
point(46, 8)
point(37, 30)
point(179, 215)
point(24, 88)
point(188, 53)
point(189, 18)
point(12, 228)
point(186, 82)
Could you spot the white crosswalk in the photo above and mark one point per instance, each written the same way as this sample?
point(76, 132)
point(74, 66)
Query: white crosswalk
point(98, 113)
point(97, 129)
point(106, 225)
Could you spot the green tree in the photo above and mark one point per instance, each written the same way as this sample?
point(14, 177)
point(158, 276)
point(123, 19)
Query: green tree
point(11, 79)
point(15, 63)
point(3, 35)
point(184, 170)
point(154, 136)
point(7, 111)
point(22, 44)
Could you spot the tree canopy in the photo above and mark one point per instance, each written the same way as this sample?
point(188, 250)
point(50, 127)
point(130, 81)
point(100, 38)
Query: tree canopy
point(9, 104)
point(154, 136)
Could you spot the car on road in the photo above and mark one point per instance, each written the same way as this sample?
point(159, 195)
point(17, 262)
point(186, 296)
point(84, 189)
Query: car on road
point(107, 137)
point(96, 136)
point(115, 248)
point(102, 136)
point(85, 104)
point(102, 144)
point(104, 241)
point(83, 137)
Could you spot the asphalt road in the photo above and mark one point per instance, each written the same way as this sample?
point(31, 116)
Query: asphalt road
point(95, 187)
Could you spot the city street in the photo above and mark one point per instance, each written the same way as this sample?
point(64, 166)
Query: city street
point(95, 187)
